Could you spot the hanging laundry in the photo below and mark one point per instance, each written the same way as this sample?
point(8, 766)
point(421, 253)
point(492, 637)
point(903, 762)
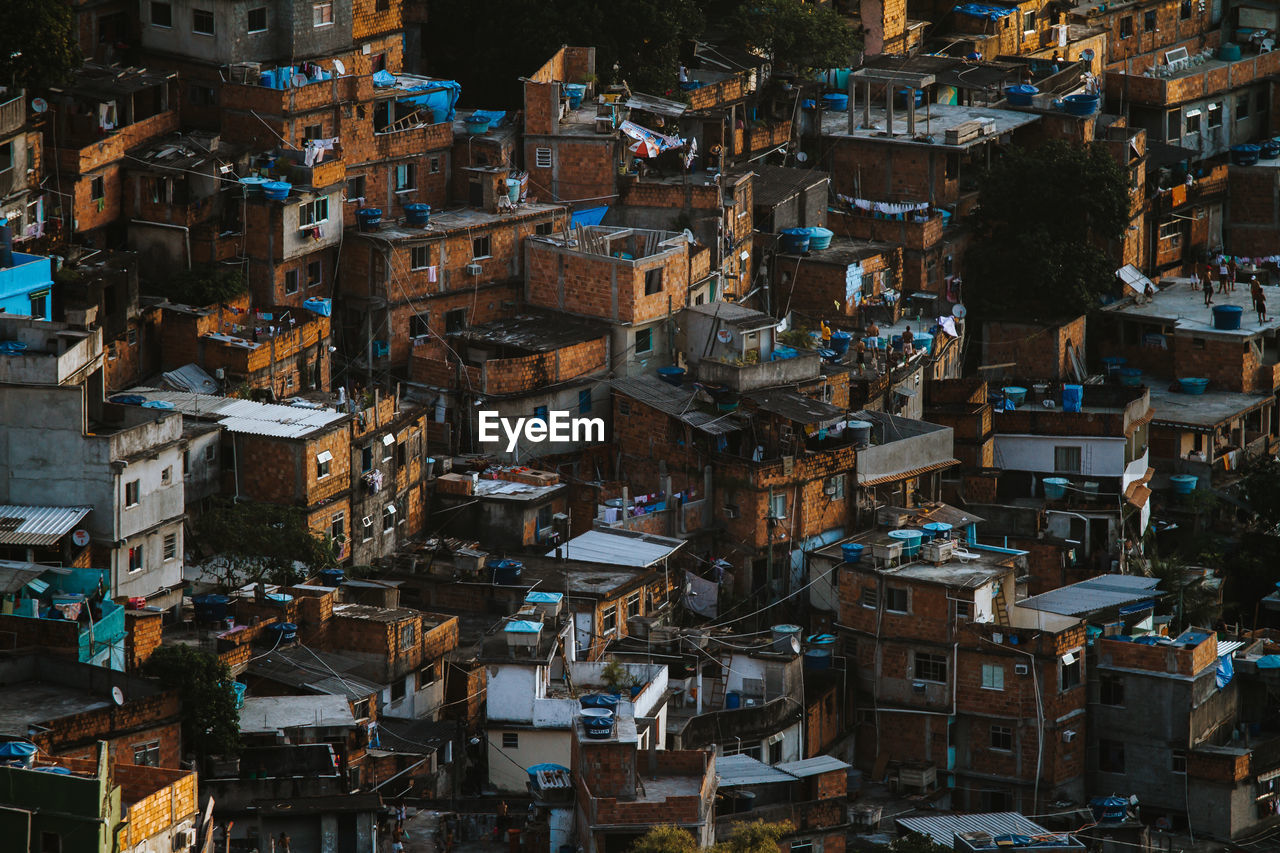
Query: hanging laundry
point(431, 274)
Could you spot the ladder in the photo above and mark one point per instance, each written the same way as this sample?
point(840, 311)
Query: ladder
point(1001, 605)
point(720, 684)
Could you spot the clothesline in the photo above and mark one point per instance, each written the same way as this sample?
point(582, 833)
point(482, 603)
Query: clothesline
point(888, 207)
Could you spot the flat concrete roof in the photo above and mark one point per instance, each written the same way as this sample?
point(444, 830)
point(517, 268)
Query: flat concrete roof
point(932, 123)
point(1205, 411)
point(269, 714)
point(35, 701)
point(1175, 303)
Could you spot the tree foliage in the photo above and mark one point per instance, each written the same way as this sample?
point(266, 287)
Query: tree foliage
point(210, 721)
point(793, 34)
point(1044, 219)
point(755, 837)
point(1260, 488)
point(252, 542)
point(1185, 593)
point(206, 284)
point(914, 842)
point(38, 46)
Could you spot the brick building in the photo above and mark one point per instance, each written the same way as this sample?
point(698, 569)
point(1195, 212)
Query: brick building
point(944, 689)
point(390, 492)
point(831, 284)
point(22, 166)
point(810, 794)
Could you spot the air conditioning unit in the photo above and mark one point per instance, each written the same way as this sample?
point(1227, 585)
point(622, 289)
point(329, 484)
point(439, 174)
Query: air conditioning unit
point(474, 269)
point(1068, 736)
point(1020, 669)
point(183, 839)
point(367, 521)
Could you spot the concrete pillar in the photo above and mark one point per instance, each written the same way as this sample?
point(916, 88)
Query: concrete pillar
point(853, 98)
point(888, 109)
point(911, 112)
point(866, 105)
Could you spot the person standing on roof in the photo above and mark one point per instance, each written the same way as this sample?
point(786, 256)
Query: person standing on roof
point(1208, 291)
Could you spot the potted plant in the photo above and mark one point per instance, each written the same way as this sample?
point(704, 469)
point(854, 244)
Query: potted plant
point(616, 678)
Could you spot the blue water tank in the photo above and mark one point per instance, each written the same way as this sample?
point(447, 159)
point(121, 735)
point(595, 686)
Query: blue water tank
point(732, 700)
point(211, 607)
point(817, 659)
point(1072, 397)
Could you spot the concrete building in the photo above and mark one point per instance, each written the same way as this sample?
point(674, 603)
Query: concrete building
point(64, 445)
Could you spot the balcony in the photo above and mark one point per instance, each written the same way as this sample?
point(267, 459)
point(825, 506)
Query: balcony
point(13, 114)
point(1192, 81)
point(1212, 186)
point(715, 89)
point(316, 94)
point(54, 354)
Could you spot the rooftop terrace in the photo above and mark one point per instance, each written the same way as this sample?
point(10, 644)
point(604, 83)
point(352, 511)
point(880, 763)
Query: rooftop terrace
point(1177, 304)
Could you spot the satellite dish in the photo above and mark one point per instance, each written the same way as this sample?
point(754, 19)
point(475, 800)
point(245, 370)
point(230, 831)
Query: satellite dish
point(724, 336)
point(80, 537)
point(959, 311)
point(688, 235)
point(300, 80)
point(339, 67)
point(1087, 54)
point(794, 642)
point(39, 105)
point(802, 157)
point(117, 695)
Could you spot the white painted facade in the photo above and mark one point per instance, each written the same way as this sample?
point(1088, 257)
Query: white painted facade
point(1099, 456)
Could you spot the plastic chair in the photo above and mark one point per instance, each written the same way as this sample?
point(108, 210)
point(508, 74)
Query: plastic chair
point(1267, 46)
point(965, 556)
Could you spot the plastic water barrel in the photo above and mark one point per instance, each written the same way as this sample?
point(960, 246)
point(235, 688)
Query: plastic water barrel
point(783, 635)
point(1109, 809)
point(732, 700)
point(478, 125)
point(1055, 488)
point(795, 240)
point(1245, 155)
point(285, 632)
point(1080, 105)
point(852, 553)
point(1229, 52)
point(598, 722)
point(1183, 484)
point(1072, 398)
point(672, 375)
point(910, 539)
point(576, 92)
point(417, 214)
point(922, 342)
point(252, 184)
point(211, 607)
point(840, 342)
point(902, 96)
point(507, 572)
point(1016, 394)
point(1227, 317)
point(19, 751)
point(836, 102)
point(1020, 96)
point(861, 432)
point(817, 659)
point(819, 238)
point(368, 218)
point(598, 700)
point(277, 190)
point(1131, 376)
point(1271, 149)
point(937, 530)
point(1194, 387)
point(333, 577)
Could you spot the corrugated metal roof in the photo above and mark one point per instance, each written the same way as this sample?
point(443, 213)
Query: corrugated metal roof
point(619, 548)
point(678, 402)
point(1094, 594)
point(812, 766)
point(796, 407)
point(906, 475)
point(1226, 647)
point(944, 828)
point(247, 416)
point(738, 770)
point(332, 674)
point(38, 525)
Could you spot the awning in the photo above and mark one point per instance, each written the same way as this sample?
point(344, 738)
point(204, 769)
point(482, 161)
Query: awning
point(909, 474)
point(38, 525)
point(1130, 609)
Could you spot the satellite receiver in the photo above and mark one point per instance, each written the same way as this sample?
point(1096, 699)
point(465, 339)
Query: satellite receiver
point(688, 235)
point(39, 105)
point(80, 537)
point(339, 67)
point(959, 312)
point(801, 157)
point(117, 695)
point(794, 643)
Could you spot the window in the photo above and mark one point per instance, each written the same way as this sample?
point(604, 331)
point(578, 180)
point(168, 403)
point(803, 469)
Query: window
point(1215, 114)
point(419, 327)
point(426, 676)
point(1178, 761)
point(775, 756)
point(186, 463)
point(419, 258)
point(338, 525)
point(1192, 122)
point(378, 62)
point(135, 559)
point(366, 459)
point(644, 341)
point(1029, 22)
point(1002, 738)
point(653, 282)
point(291, 282)
point(400, 454)
point(1111, 756)
point(131, 337)
point(388, 442)
point(542, 158)
point(584, 401)
point(545, 228)
point(50, 842)
point(406, 177)
point(435, 165)
point(388, 518)
point(203, 96)
point(166, 476)
point(313, 131)
point(834, 487)
point(313, 212)
point(992, 676)
point(1185, 10)
point(161, 15)
point(408, 635)
point(132, 491)
point(170, 546)
point(210, 453)
point(314, 271)
point(1111, 689)
point(366, 525)
point(633, 604)
point(510, 740)
point(147, 753)
point(896, 599)
point(1242, 107)
point(1171, 231)
point(778, 506)
point(258, 19)
point(964, 609)
point(38, 301)
point(97, 189)
point(1149, 21)
point(455, 320)
point(870, 597)
point(482, 247)
point(397, 690)
point(1069, 671)
point(931, 667)
point(609, 620)
point(322, 13)
point(202, 22)
point(1066, 459)
point(1126, 27)
point(355, 187)
point(322, 464)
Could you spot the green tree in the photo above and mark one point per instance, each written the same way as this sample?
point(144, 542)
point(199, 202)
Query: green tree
point(210, 721)
point(1044, 219)
point(666, 839)
point(205, 284)
point(794, 34)
point(756, 837)
point(37, 43)
point(914, 842)
point(251, 542)
point(1191, 601)
point(1260, 489)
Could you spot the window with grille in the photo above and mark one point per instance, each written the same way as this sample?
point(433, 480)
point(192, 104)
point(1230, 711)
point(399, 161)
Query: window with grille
point(633, 604)
point(931, 667)
point(609, 620)
point(202, 22)
point(322, 13)
point(542, 158)
point(992, 677)
point(170, 546)
point(510, 740)
point(1066, 459)
point(1001, 737)
point(147, 754)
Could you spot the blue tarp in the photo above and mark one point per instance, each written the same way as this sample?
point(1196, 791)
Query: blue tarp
point(1269, 662)
point(1149, 604)
point(1225, 671)
point(439, 96)
point(588, 216)
point(495, 117)
point(384, 78)
point(982, 10)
